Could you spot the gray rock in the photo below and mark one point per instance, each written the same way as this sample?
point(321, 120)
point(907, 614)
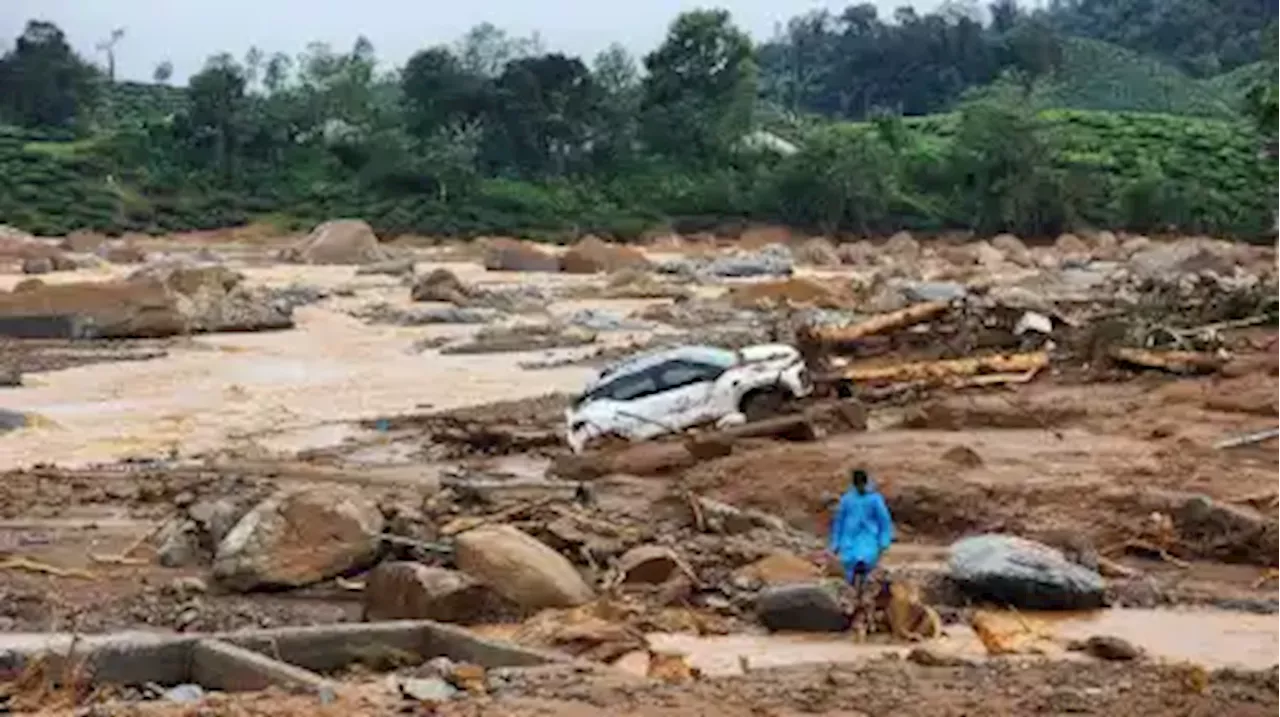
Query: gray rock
point(934, 291)
point(295, 295)
point(216, 518)
point(184, 693)
point(807, 608)
point(179, 544)
point(9, 420)
point(1022, 573)
point(1111, 648)
point(426, 316)
point(37, 265)
point(602, 320)
point(772, 260)
point(427, 689)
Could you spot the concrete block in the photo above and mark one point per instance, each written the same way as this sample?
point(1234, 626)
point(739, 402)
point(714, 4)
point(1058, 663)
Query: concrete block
point(217, 665)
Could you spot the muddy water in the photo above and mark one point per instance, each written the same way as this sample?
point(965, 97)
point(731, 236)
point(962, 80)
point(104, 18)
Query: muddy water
point(273, 392)
point(1210, 638)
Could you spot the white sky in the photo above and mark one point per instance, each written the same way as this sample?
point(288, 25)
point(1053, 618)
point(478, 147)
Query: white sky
point(186, 32)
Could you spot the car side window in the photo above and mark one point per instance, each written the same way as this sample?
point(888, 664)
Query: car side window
point(629, 388)
point(682, 373)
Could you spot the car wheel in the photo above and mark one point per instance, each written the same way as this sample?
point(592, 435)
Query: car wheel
point(764, 403)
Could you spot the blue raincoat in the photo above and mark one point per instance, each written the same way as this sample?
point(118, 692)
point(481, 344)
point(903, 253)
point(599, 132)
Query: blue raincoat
point(860, 530)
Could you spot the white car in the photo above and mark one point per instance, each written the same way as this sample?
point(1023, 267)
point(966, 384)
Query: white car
point(670, 390)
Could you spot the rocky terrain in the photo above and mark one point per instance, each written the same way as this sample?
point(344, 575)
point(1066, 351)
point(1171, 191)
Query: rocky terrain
point(1076, 440)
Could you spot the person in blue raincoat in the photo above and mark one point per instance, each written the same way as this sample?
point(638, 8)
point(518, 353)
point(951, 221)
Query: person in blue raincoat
point(861, 530)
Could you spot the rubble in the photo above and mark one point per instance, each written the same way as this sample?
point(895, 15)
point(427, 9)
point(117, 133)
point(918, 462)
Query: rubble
point(440, 285)
point(412, 591)
point(818, 251)
point(389, 267)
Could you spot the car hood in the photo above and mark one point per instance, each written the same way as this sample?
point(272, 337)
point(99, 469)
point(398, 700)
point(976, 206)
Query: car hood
point(768, 352)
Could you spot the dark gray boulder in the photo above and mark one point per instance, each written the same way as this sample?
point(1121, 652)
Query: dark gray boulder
point(809, 607)
point(1025, 574)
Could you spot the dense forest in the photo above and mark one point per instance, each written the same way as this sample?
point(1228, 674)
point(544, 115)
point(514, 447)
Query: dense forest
point(1148, 115)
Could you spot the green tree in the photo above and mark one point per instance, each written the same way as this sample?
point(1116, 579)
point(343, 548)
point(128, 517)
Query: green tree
point(215, 121)
point(43, 83)
point(543, 111)
point(700, 88)
point(1000, 164)
point(1262, 104)
point(162, 73)
point(617, 80)
point(437, 93)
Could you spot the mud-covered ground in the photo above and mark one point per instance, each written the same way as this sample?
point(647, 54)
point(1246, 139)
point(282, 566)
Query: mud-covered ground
point(126, 446)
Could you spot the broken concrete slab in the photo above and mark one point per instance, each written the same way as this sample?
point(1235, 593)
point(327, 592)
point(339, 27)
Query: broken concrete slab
point(222, 666)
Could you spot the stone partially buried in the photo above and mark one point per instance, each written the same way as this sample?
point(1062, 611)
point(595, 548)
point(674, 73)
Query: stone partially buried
point(1014, 571)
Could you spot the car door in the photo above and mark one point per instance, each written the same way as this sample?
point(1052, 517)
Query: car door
point(689, 390)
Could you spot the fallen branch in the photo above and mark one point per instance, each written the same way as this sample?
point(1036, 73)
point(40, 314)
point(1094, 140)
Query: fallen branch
point(937, 371)
point(461, 525)
point(18, 562)
point(1247, 439)
point(1172, 361)
point(121, 559)
point(879, 324)
point(401, 540)
point(1142, 546)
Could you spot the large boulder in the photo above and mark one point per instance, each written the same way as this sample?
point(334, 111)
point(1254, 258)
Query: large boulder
point(1070, 245)
point(299, 537)
point(412, 591)
point(117, 309)
point(512, 255)
point(810, 607)
point(1025, 574)
point(1185, 256)
point(858, 253)
point(592, 256)
point(519, 568)
point(902, 245)
point(121, 252)
point(341, 241)
point(211, 297)
point(440, 285)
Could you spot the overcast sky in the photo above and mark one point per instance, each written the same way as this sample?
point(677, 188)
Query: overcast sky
point(185, 32)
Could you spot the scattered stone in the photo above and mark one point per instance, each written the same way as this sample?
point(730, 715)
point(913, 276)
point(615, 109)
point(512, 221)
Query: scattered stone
point(592, 255)
point(520, 568)
point(295, 295)
point(650, 564)
point(384, 313)
point(440, 285)
point(1133, 245)
point(82, 242)
point(390, 267)
point(533, 337)
point(818, 251)
point(1022, 573)
point(12, 420)
point(604, 320)
point(179, 544)
point(189, 585)
point(858, 253)
point(469, 677)
point(511, 255)
point(1070, 245)
point(184, 693)
point(902, 245)
point(963, 456)
point(37, 265)
point(215, 517)
point(1013, 250)
point(10, 376)
point(780, 567)
point(121, 252)
point(412, 591)
point(933, 657)
point(803, 608)
point(641, 284)
point(1111, 648)
point(427, 689)
point(772, 260)
point(987, 255)
point(934, 290)
point(1106, 246)
point(340, 241)
point(299, 537)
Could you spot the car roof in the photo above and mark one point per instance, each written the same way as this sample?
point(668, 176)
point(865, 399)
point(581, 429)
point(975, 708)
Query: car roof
point(649, 359)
